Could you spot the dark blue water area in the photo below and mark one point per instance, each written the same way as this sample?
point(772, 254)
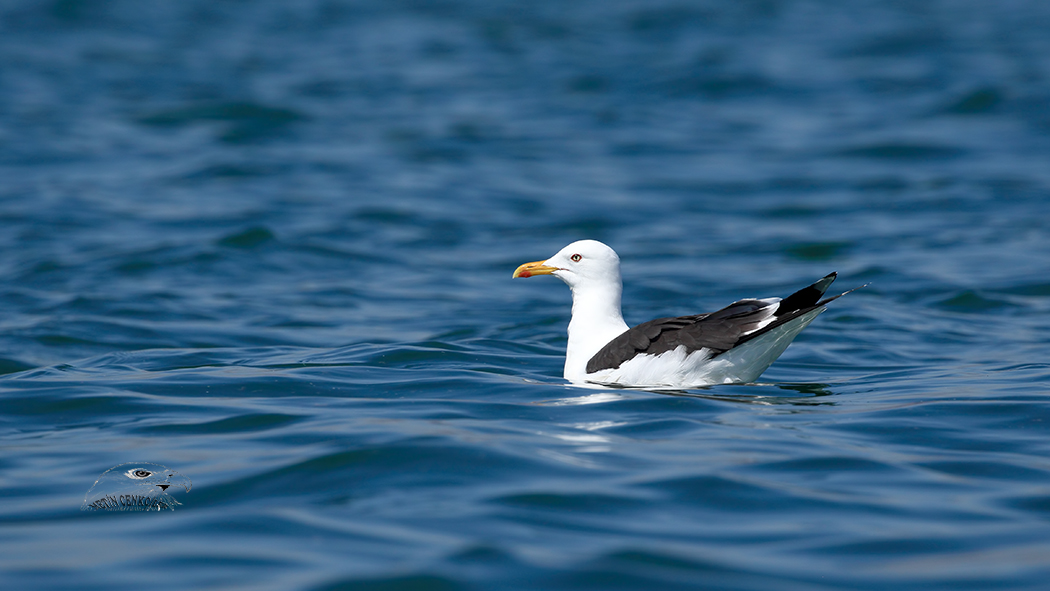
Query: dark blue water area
point(269, 245)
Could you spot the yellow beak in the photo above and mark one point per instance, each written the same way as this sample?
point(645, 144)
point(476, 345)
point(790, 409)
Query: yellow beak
point(536, 268)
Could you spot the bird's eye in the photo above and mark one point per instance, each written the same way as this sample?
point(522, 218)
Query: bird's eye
point(576, 258)
point(140, 474)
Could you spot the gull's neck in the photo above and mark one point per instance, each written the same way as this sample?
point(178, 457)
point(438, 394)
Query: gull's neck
point(596, 320)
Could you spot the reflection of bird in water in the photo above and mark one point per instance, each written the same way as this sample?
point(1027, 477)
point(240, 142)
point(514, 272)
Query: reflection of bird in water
point(135, 486)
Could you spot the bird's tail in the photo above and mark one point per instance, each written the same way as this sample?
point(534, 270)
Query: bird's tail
point(807, 297)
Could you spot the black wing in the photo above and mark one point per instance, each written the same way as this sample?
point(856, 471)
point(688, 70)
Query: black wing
point(718, 331)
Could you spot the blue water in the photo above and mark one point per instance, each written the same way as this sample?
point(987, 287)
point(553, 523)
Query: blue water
point(269, 245)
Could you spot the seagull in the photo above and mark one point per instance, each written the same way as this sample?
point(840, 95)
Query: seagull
point(733, 345)
point(135, 486)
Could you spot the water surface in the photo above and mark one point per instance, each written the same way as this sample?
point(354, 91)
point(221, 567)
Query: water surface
point(269, 246)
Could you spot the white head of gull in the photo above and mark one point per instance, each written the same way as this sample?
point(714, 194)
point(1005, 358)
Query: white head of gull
point(733, 345)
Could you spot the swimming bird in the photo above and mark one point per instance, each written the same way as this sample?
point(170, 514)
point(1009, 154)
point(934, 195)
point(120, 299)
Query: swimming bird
point(733, 345)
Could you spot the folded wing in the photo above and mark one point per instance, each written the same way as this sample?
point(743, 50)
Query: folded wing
point(717, 332)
